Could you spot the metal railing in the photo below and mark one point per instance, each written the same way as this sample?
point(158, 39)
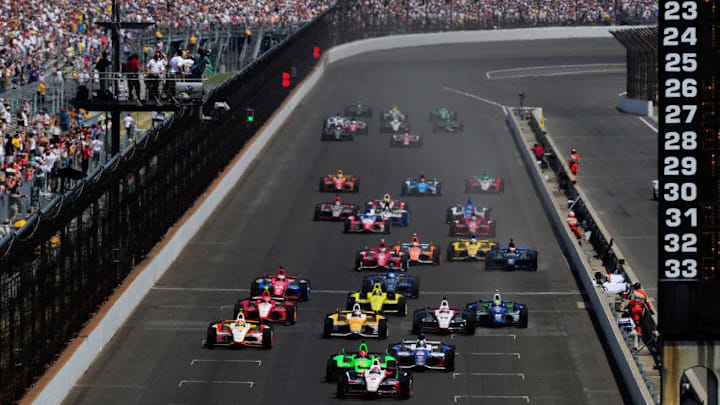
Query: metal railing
point(144, 86)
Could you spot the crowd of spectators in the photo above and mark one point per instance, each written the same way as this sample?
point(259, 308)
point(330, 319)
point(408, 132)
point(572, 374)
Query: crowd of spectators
point(39, 151)
point(504, 13)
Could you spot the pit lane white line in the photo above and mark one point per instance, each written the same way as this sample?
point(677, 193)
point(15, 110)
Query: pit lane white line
point(517, 355)
point(526, 398)
point(521, 375)
point(193, 361)
point(648, 124)
point(512, 335)
point(484, 100)
point(182, 382)
point(614, 68)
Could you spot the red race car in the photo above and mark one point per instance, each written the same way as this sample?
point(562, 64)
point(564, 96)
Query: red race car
point(267, 308)
point(468, 225)
point(405, 139)
point(334, 211)
point(371, 221)
point(357, 127)
point(280, 285)
point(339, 182)
point(381, 258)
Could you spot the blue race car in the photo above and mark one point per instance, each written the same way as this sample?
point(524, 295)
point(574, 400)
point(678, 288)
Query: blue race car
point(511, 258)
point(499, 312)
point(424, 353)
point(280, 285)
point(402, 283)
point(421, 186)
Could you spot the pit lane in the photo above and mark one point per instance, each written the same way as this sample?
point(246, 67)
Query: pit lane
point(156, 357)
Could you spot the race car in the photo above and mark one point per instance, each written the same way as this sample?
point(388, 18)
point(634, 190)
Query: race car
point(381, 258)
point(336, 129)
point(469, 249)
point(499, 312)
point(484, 184)
point(375, 382)
point(420, 353)
point(379, 301)
point(420, 253)
point(267, 308)
point(403, 283)
point(443, 319)
point(358, 110)
point(357, 127)
point(280, 285)
point(339, 182)
point(370, 221)
point(392, 120)
point(239, 332)
point(395, 211)
point(511, 258)
point(334, 211)
point(355, 323)
point(442, 114)
point(467, 210)
point(358, 361)
point(421, 186)
point(449, 125)
point(405, 140)
point(472, 225)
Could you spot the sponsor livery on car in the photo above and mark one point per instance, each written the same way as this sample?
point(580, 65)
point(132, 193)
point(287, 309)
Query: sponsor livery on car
point(239, 332)
point(375, 382)
point(379, 301)
point(339, 182)
point(421, 186)
point(469, 249)
point(443, 319)
point(356, 322)
point(499, 312)
point(484, 184)
point(334, 211)
point(381, 258)
point(280, 285)
point(422, 353)
point(267, 308)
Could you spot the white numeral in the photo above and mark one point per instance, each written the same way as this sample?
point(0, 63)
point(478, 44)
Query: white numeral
point(680, 62)
point(677, 88)
point(689, 140)
point(674, 268)
point(672, 113)
point(684, 191)
point(688, 163)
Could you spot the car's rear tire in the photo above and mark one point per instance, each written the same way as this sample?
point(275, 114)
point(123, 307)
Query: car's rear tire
point(404, 189)
point(321, 187)
point(453, 230)
point(291, 313)
point(402, 306)
point(417, 321)
point(316, 215)
point(386, 229)
point(436, 256)
point(492, 229)
point(469, 322)
point(501, 188)
point(304, 291)
point(405, 218)
point(404, 263)
point(254, 289)
point(331, 371)
point(524, 317)
point(450, 358)
point(328, 328)
point(367, 285)
point(211, 337)
point(405, 386)
point(346, 226)
point(415, 287)
point(448, 216)
point(356, 186)
point(236, 310)
point(267, 338)
point(468, 187)
point(342, 386)
point(439, 190)
point(383, 328)
point(534, 263)
point(358, 262)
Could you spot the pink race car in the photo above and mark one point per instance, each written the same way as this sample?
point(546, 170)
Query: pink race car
point(370, 221)
point(405, 140)
point(477, 225)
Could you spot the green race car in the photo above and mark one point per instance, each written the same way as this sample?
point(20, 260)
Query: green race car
point(378, 300)
point(358, 361)
point(443, 114)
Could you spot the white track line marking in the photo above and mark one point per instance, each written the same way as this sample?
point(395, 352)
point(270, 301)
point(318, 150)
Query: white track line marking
point(526, 398)
point(616, 65)
point(250, 383)
point(516, 355)
point(193, 361)
point(484, 100)
point(213, 290)
point(521, 375)
point(648, 124)
point(124, 386)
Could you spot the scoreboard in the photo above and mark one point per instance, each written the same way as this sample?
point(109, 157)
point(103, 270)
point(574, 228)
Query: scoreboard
point(689, 191)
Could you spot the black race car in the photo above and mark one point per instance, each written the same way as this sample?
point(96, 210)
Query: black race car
point(450, 125)
point(358, 110)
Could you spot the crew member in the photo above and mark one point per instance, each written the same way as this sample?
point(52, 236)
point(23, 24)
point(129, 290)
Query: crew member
point(539, 153)
point(574, 162)
point(638, 301)
point(573, 224)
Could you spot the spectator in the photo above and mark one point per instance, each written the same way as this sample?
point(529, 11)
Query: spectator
point(129, 126)
point(41, 91)
point(133, 68)
point(155, 67)
point(5, 227)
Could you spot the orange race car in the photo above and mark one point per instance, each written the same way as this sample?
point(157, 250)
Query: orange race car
point(424, 253)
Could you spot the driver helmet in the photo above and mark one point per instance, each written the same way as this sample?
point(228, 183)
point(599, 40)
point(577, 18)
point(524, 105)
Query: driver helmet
point(571, 213)
point(337, 200)
point(363, 352)
point(281, 276)
point(382, 248)
point(473, 218)
point(339, 172)
point(497, 302)
point(573, 150)
point(386, 198)
point(407, 129)
point(415, 240)
point(422, 177)
point(394, 107)
point(356, 310)
point(473, 238)
point(421, 340)
point(377, 292)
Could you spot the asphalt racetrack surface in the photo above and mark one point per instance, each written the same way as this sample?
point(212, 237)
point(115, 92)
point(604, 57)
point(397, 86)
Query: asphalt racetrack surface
point(157, 358)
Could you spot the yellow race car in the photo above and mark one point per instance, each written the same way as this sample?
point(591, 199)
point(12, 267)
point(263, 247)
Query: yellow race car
point(378, 300)
point(469, 248)
point(355, 322)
